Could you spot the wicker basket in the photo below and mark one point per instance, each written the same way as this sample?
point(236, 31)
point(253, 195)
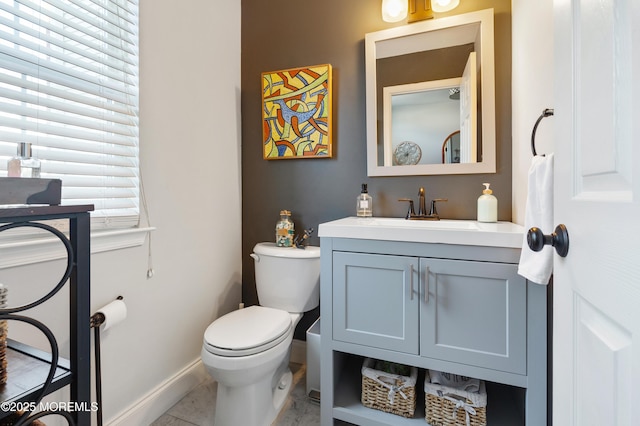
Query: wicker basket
point(449, 406)
point(3, 337)
point(3, 352)
point(388, 392)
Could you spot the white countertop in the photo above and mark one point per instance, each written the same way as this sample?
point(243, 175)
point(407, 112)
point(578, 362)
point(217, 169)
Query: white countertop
point(464, 232)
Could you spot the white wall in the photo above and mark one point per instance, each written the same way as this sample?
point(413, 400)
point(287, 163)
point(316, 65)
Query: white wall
point(190, 161)
point(532, 90)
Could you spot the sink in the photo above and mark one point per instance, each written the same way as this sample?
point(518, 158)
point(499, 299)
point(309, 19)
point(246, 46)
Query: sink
point(445, 231)
point(425, 224)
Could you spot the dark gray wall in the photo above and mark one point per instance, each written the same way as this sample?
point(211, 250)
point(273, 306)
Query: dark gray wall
point(282, 34)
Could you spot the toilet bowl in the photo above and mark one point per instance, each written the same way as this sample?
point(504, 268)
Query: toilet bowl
point(247, 351)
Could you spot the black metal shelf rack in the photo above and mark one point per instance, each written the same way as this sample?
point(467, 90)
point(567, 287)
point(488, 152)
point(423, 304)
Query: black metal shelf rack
point(27, 366)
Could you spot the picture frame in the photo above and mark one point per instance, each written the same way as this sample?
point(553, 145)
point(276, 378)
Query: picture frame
point(297, 113)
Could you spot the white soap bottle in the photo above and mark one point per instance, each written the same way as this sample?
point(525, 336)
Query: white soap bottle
point(364, 203)
point(487, 206)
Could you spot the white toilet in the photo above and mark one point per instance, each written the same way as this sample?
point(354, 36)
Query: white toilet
point(247, 351)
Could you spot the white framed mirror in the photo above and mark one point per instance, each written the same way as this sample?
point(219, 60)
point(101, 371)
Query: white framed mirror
point(414, 75)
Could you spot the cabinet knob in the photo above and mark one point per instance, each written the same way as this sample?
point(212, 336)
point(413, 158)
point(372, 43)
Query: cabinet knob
point(559, 239)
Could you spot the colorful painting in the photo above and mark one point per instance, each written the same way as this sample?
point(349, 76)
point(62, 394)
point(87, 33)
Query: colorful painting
point(296, 113)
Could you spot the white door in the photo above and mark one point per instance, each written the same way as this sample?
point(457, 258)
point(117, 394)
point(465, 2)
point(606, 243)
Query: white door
point(596, 308)
point(468, 115)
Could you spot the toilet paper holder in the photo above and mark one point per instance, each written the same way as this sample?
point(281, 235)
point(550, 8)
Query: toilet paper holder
point(98, 318)
point(96, 321)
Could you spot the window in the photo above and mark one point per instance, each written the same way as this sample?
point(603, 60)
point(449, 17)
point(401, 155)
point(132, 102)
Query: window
point(69, 86)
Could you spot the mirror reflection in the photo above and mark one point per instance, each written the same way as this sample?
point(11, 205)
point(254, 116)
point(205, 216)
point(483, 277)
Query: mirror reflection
point(425, 115)
point(430, 97)
point(451, 148)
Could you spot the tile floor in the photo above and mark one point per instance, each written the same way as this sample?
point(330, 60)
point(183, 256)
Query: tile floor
point(198, 407)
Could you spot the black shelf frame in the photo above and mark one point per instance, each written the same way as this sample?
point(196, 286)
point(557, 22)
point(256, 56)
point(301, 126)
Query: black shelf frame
point(32, 365)
point(78, 366)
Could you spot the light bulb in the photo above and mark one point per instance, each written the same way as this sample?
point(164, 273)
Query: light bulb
point(440, 6)
point(394, 10)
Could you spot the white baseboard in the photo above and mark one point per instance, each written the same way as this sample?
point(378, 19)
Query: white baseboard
point(298, 351)
point(159, 400)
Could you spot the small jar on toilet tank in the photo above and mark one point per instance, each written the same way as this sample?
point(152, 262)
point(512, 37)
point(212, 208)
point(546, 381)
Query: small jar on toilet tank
point(284, 230)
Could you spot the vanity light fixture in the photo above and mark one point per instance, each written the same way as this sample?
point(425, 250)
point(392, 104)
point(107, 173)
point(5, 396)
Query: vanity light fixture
point(394, 10)
point(440, 6)
point(420, 10)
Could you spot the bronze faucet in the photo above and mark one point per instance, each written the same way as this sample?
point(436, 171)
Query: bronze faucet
point(422, 208)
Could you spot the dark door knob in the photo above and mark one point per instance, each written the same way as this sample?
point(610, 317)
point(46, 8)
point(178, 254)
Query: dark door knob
point(559, 239)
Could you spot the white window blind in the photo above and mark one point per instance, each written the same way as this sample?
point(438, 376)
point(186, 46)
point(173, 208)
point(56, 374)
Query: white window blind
point(69, 86)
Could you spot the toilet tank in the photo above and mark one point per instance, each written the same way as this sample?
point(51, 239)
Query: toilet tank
point(287, 278)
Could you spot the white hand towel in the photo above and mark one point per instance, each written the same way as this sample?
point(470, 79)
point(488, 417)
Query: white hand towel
point(537, 266)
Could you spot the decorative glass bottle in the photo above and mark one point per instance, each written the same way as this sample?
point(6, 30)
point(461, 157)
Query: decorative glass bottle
point(24, 165)
point(284, 230)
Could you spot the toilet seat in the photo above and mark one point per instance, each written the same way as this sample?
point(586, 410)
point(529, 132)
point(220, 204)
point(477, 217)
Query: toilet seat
point(247, 331)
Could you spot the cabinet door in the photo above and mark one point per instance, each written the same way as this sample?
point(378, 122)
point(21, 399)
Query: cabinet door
point(474, 313)
point(375, 300)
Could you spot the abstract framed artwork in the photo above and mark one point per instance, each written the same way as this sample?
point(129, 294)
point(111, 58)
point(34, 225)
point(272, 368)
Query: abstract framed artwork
point(296, 113)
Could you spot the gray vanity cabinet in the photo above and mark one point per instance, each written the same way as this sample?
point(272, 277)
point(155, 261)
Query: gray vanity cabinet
point(369, 291)
point(474, 313)
point(454, 308)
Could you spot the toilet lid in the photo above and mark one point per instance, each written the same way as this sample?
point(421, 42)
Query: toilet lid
point(247, 331)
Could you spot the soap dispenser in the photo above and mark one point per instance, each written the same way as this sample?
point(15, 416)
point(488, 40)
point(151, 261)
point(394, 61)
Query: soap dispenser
point(364, 203)
point(487, 206)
